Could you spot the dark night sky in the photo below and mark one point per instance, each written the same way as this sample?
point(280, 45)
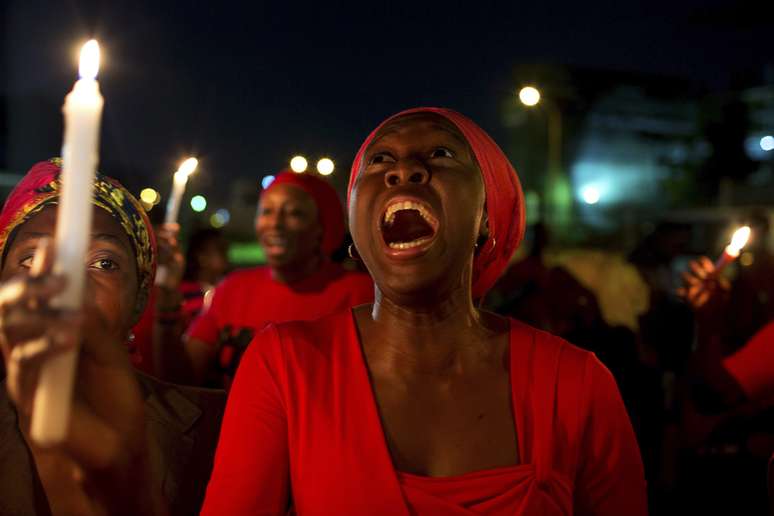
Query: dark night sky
point(246, 87)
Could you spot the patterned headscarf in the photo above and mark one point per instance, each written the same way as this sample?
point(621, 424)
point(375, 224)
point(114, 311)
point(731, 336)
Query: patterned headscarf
point(504, 197)
point(329, 209)
point(41, 187)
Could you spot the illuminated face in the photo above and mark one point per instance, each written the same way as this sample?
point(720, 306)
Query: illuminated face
point(111, 281)
point(416, 207)
point(288, 226)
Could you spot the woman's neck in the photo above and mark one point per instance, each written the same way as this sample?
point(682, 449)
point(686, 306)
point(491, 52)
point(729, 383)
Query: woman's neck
point(295, 272)
point(438, 337)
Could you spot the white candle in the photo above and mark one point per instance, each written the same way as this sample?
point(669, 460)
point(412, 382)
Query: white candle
point(82, 115)
point(179, 180)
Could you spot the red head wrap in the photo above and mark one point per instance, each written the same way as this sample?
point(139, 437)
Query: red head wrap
point(329, 209)
point(504, 198)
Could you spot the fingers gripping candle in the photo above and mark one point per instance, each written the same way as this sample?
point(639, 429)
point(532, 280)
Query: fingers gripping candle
point(82, 115)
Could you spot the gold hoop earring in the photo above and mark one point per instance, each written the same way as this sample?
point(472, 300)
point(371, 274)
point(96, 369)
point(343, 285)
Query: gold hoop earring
point(352, 252)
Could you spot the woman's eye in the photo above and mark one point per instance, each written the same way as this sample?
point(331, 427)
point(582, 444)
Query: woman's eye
point(105, 264)
point(382, 157)
point(442, 152)
point(26, 262)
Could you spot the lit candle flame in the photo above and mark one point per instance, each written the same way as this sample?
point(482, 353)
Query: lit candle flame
point(89, 64)
point(738, 241)
point(188, 166)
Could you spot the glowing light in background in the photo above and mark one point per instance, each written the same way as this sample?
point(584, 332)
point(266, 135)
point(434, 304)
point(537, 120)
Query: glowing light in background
point(220, 218)
point(529, 95)
point(266, 182)
point(325, 166)
point(767, 143)
point(298, 164)
point(150, 196)
point(198, 203)
point(590, 194)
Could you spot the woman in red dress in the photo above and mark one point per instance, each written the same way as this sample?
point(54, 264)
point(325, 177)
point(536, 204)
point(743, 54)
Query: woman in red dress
point(300, 223)
point(421, 403)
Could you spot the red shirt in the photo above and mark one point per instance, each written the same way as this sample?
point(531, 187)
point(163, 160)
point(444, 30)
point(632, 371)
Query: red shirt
point(251, 298)
point(301, 419)
point(753, 365)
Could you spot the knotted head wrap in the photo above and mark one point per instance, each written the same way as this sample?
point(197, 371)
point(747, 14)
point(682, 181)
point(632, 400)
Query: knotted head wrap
point(504, 197)
point(329, 209)
point(41, 187)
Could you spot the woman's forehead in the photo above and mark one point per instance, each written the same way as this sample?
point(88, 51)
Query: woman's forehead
point(419, 121)
point(103, 224)
point(287, 193)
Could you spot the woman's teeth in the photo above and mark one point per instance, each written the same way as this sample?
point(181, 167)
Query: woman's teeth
point(409, 245)
point(389, 216)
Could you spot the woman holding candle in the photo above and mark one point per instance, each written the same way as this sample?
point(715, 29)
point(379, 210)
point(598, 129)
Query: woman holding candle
point(728, 404)
point(300, 223)
point(420, 403)
point(134, 444)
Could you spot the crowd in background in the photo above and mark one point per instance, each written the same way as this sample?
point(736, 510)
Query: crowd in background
point(697, 450)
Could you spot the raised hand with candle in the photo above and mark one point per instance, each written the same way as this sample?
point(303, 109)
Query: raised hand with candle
point(130, 438)
point(702, 281)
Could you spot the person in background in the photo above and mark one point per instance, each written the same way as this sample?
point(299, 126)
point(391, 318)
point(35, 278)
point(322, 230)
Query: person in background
point(206, 261)
point(299, 224)
point(421, 403)
point(135, 445)
point(728, 410)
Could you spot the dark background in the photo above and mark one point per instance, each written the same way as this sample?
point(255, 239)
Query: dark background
point(247, 85)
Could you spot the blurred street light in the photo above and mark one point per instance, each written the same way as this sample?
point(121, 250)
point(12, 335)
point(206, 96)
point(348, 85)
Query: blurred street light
point(529, 96)
point(767, 143)
point(557, 197)
point(150, 196)
point(198, 203)
point(325, 166)
point(220, 218)
point(298, 164)
point(590, 194)
point(266, 181)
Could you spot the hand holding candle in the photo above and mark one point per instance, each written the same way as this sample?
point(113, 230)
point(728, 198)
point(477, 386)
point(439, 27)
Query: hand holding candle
point(82, 113)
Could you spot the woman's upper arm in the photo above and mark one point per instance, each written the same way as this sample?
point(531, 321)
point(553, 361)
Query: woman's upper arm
point(610, 480)
point(252, 473)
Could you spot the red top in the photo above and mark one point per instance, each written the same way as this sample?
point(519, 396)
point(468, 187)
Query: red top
point(753, 365)
point(251, 298)
point(302, 419)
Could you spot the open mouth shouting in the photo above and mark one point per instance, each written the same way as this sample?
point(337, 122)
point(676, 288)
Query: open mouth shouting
point(408, 226)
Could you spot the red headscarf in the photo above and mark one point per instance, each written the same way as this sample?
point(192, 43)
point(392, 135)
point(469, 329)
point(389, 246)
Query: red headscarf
point(504, 198)
point(329, 207)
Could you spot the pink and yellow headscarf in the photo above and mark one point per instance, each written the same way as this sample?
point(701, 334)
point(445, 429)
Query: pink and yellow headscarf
point(41, 187)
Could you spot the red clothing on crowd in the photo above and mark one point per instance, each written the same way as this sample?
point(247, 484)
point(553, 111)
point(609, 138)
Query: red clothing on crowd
point(251, 298)
point(753, 365)
point(302, 421)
